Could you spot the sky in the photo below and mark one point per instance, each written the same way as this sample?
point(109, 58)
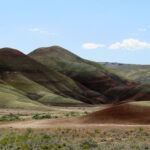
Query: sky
point(98, 30)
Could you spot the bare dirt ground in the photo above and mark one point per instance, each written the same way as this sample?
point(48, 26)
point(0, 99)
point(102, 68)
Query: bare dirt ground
point(65, 123)
point(70, 122)
point(74, 132)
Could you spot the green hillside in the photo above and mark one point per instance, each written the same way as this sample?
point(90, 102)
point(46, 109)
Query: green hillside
point(66, 62)
point(32, 78)
point(13, 98)
point(89, 75)
point(40, 83)
point(137, 73)
point(53, 75)
point(76, 68)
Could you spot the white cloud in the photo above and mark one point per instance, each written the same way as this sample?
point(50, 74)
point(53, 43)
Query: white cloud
point(92, 45)
point(130, 44)
point(142, 29)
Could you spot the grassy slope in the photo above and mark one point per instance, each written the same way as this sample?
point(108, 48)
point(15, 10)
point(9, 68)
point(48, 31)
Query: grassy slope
point(92, 75)
point(35, 80)
point(13, 98)
point(142, 103)
point(79, 69)
point(74, 67)
point(34, 90)
point(35, 71)
point(66, 62)
point(137, 73)
point(58, 76)
point(70, 64)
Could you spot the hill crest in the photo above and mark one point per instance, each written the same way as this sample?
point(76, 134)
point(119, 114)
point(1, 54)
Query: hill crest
point(10, 51)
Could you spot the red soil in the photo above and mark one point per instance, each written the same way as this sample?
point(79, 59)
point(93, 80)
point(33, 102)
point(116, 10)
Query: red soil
point(120, 114)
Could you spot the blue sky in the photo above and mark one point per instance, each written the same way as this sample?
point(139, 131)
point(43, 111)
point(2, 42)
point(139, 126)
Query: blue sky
point(99, 30)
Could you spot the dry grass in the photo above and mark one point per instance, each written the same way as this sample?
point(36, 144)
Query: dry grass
point(76, 139)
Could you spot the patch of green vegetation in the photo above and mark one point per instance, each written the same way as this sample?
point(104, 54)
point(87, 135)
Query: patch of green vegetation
point(10, 117)
point(88, 144)
point(60, 115)
point(71, 114)
point(38, 116)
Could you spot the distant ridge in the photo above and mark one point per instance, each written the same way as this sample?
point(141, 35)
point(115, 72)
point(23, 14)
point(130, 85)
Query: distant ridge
point(113, 64)
point(135, 72)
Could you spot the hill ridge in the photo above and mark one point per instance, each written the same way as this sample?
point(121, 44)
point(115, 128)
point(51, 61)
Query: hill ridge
point(10, 51)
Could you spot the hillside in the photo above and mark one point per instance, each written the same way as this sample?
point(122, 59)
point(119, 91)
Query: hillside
point(53, 75)
point(13, 98)
point(137, 73)
point(34, 79)
point(90, 75)
point(87, 73)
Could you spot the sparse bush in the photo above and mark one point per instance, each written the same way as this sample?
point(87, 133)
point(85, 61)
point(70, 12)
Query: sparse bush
point(37, 116)
point(10, 117)
point(47, 116)
point(88, 144)
point(85, 112)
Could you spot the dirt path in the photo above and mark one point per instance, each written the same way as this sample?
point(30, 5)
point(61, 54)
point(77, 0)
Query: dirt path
point(63, 123)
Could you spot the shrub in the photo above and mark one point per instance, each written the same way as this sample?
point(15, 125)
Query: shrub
point(47, 116)
point(89, 144)
point(85, 112)
point(10, 117)
point(37, 116)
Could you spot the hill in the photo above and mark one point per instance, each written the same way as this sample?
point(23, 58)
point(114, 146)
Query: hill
point(136, 73)
point(129, 113)
point(32, 78)
point(90, 75)
point(54, 75)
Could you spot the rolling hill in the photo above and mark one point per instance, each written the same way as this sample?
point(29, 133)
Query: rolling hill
point(32, 78)
point(136, 73)
point(54, 75)
point(90, 75)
